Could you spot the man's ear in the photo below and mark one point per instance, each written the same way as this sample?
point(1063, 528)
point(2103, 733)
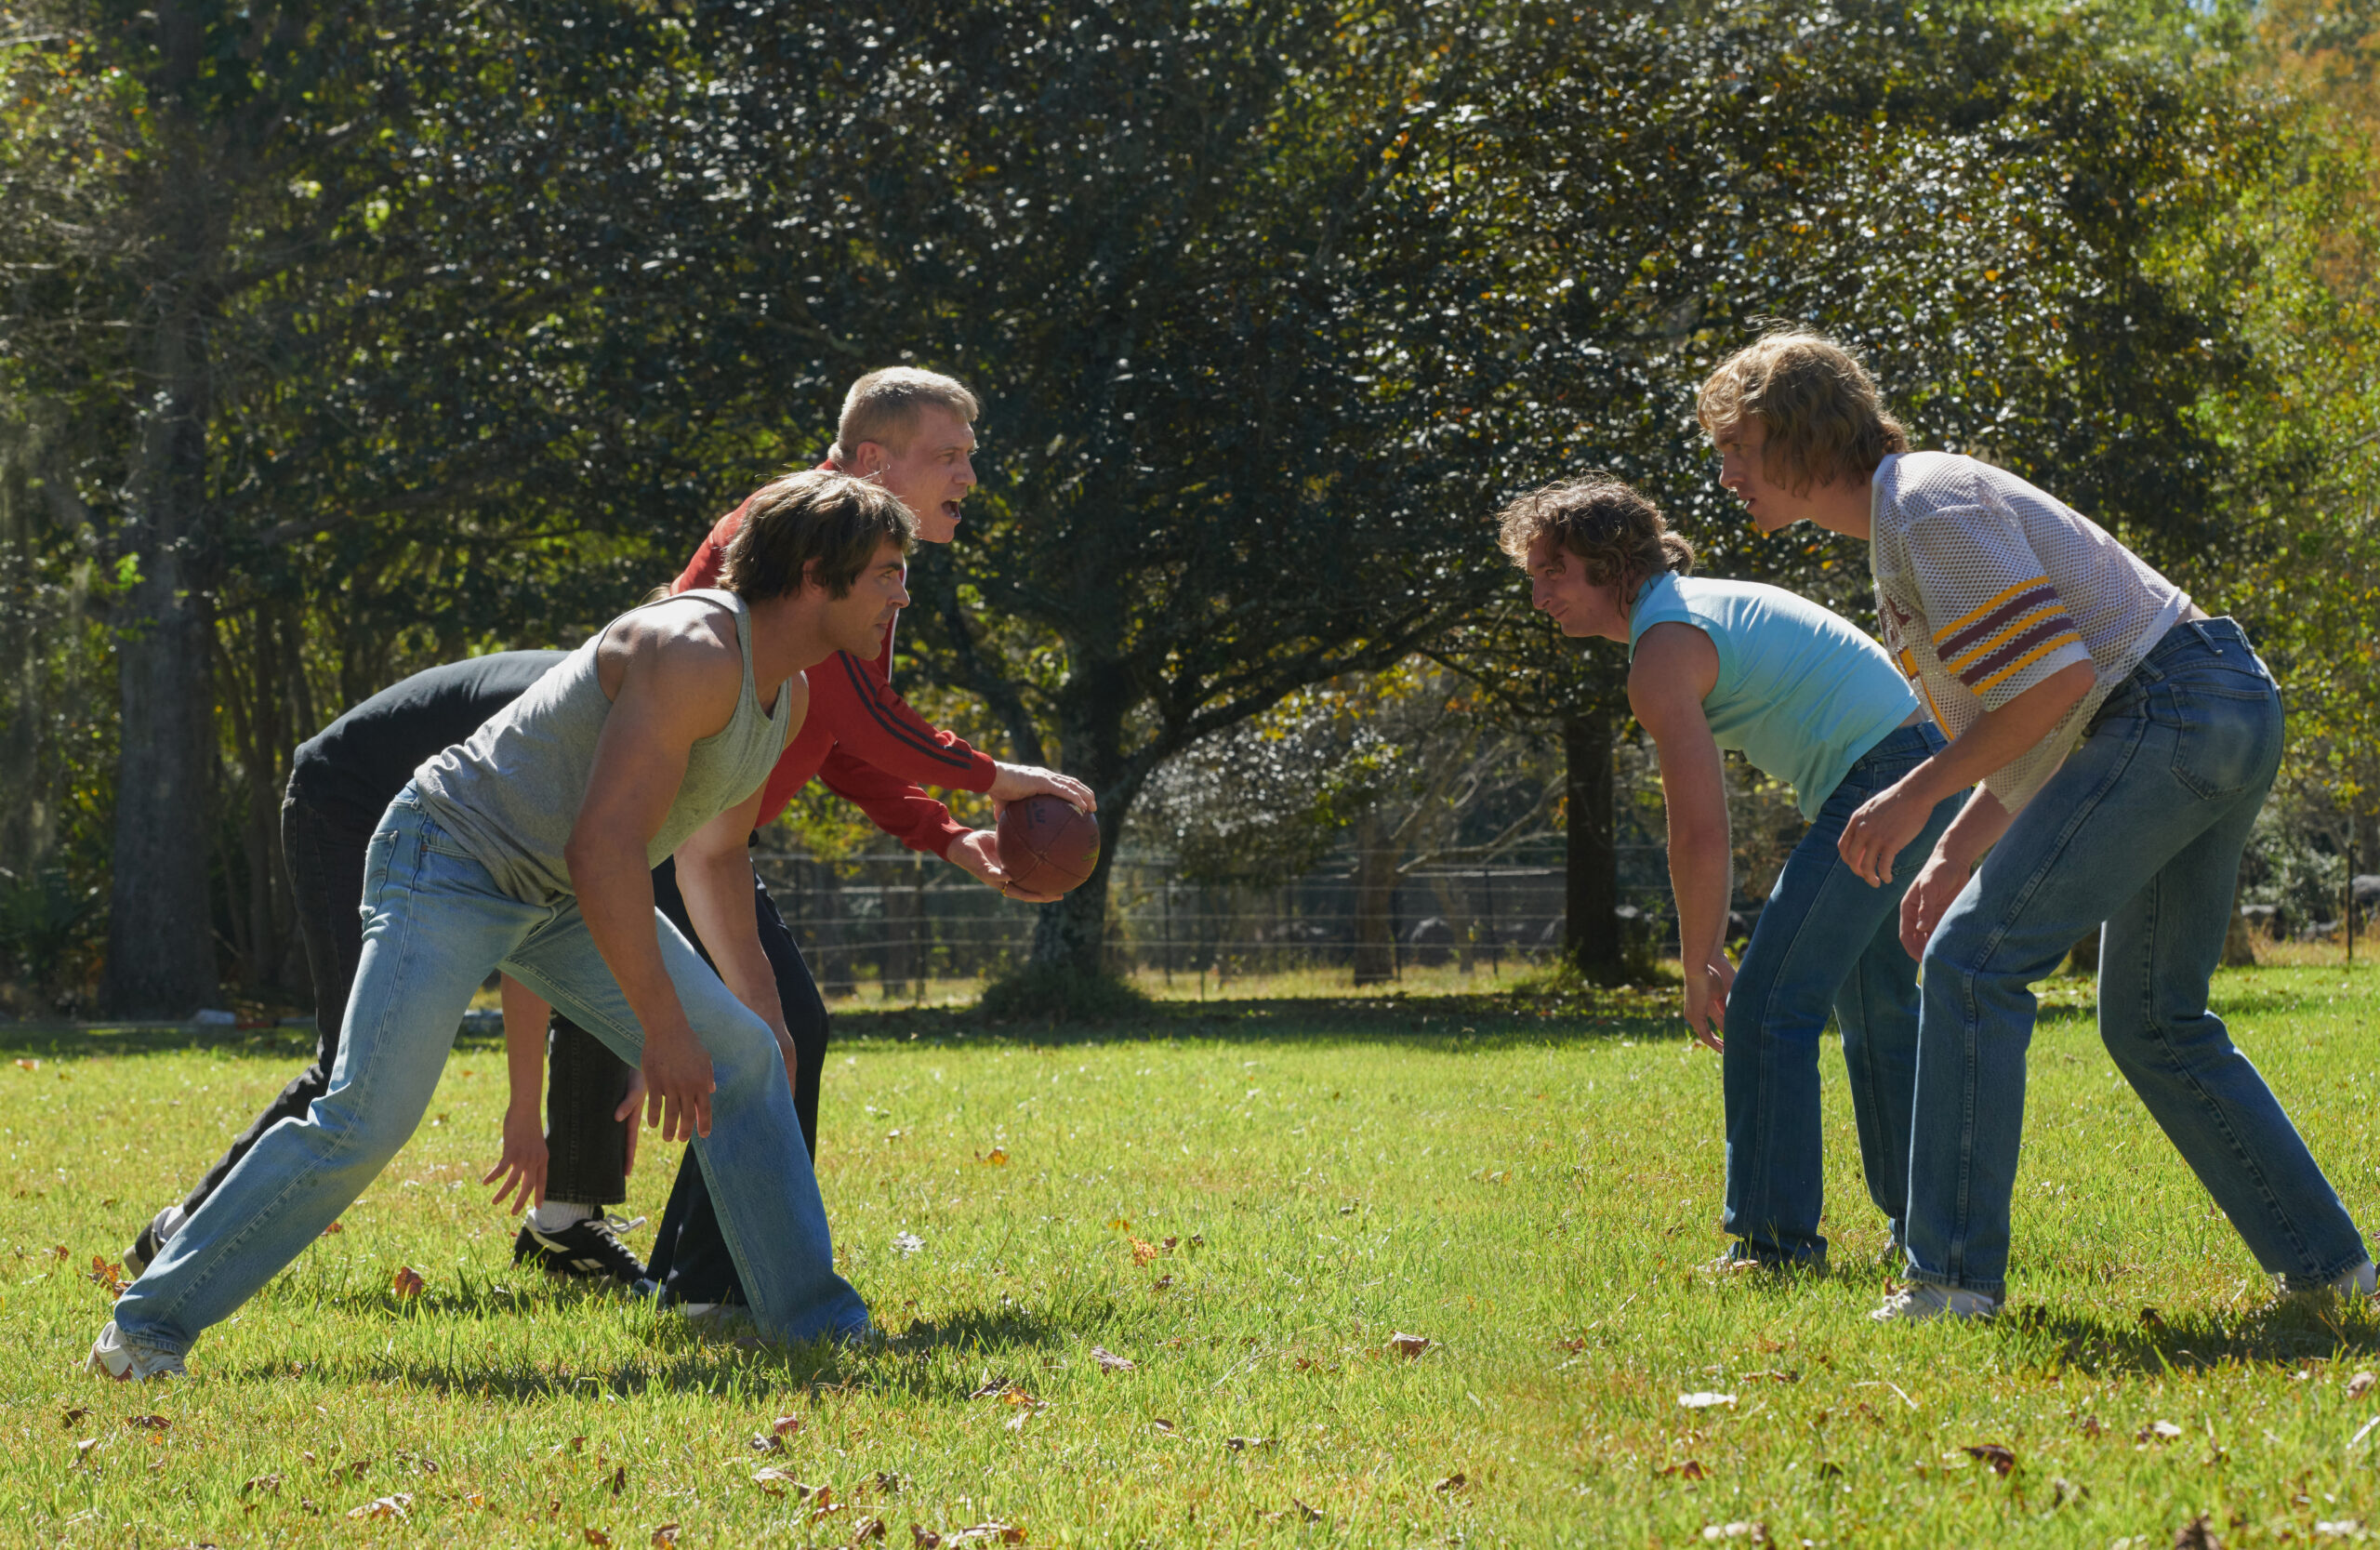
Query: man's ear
point(811, 572)
point(868, 457)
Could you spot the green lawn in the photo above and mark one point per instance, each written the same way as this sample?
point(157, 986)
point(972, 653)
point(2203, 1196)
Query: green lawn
point(1246, 1201)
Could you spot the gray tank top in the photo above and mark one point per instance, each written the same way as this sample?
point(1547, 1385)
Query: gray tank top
point(510, 793)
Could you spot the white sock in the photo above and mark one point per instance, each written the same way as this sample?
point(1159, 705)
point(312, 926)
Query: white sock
point(554, 1215)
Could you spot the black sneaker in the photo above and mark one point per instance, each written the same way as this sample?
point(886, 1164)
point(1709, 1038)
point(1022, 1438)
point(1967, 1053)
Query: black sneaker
point(589, 1247)
point(151, 1241)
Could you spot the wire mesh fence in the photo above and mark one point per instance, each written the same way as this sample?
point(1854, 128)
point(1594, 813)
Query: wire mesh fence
point(902, 922)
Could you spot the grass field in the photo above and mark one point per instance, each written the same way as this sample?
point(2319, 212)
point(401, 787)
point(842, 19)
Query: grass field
point(1247, 1201)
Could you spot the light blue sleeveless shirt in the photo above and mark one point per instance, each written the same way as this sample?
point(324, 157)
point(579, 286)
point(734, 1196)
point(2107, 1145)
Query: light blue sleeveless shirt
point(1802, 691)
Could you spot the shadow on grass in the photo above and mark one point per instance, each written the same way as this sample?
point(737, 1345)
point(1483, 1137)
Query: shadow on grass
point(1456, 1024)
point(2148, 1343)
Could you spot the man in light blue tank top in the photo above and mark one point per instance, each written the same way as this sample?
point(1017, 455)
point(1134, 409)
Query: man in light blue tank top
point(1809, 700)
point(530, 847)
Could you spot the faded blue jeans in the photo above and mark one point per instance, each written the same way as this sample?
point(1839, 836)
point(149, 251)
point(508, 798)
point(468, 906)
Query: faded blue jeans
point(1827, 942)
point(2141, 829)
point(434, 927)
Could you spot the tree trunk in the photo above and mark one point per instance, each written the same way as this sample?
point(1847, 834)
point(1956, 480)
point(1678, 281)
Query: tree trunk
point(160, 939)
point(2239, 942)
point(1591, 875)
point(1073, 932)
point(1375, 900)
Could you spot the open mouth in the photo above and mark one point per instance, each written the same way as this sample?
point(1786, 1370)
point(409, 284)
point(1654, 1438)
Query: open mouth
point(950, 510)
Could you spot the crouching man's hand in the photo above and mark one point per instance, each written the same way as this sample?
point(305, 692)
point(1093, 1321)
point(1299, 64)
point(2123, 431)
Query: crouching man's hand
point(1706, 1000)
point(1016, 782)
point(679, 1082)
point(977, 852)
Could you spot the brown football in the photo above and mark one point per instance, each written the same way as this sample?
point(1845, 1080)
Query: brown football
point(1048, 846)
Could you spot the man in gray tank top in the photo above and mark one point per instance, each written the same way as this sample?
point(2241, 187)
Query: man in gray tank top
point(530, 848)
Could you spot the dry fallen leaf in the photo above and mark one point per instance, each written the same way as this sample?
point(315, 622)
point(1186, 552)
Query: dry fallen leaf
point(1690, 1469)
point(384, 1506)
point(1452, 1484)
point(924, 1539)
point(1120, 1224)
point(2197, 1534)
point(619, 1480)
point(867, 1529)
point(1163, 1428)
point(106, 1275)
point(261, 1482)
point(1756, 1533)
point(61, 1251)
point(776, 1482)
point(1239, 1444)
point(1705, 1401)
point(2165, 1430)
point(987, 1533)
point(148, 1422)
point(996, 1158)
point(1310, 1515)
point(2152, 1318)
point(665, 1536)
point(992, 1389)
point(1109, 1362)
point(1144, 1253)
point(2001, 1457)
point(1407, 1344)
point(765, 1442)
point(75, 1414)
point(407, 1281)
point(597, 1536)
point(335, 1227)
point(1160, 1283)
point(786, 1426)
point(2360, 1385)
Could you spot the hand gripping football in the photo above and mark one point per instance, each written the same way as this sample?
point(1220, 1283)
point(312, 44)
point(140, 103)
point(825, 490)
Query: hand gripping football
point(1047, 844)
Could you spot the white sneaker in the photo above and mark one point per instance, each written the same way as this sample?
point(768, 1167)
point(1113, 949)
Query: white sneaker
point(2347, 1285)
point(1921, 1300)
point(114, 1357)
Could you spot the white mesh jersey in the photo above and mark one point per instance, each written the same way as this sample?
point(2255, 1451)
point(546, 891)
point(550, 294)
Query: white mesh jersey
point(1986, 586)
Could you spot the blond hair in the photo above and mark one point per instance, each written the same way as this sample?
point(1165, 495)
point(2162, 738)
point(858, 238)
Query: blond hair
point(1825, 421)
point(1617, 534)
point(882, 407)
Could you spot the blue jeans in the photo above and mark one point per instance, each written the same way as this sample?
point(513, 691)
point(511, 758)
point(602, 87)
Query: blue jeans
point(434, 926)
point(1827, 941)
point(2141, 829)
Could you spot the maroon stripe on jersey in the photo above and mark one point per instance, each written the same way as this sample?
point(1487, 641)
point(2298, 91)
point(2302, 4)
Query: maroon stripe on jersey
point(2057, 624)
point(2030, 598)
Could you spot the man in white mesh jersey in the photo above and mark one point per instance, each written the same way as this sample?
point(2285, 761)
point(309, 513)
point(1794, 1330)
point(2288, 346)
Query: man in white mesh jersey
point(2125, 742)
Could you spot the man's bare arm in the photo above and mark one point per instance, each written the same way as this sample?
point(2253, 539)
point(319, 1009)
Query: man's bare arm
point(1675, 667)
point(676, 683)
point(715, 876)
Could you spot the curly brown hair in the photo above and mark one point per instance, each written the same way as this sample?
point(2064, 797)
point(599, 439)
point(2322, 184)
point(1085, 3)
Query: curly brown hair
point(1613, 529)
point(1825, 421)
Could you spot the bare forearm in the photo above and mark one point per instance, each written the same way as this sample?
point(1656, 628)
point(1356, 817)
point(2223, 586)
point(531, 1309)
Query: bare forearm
point(1999, 736)
point(524, 1045)
point(1700, 876)
point(718, 890)
point(1976, 828)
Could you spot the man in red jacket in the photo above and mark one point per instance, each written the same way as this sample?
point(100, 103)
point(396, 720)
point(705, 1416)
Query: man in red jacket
point(911, 431)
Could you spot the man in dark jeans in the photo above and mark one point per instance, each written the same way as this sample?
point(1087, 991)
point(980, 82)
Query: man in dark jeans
point(340, 782)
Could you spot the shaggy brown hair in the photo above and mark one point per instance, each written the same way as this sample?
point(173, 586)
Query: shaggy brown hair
point(1615, 533)
point(1825, 421)
point(818, 516)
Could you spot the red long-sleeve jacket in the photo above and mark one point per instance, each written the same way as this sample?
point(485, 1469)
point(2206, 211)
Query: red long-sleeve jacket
point(860, 737)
